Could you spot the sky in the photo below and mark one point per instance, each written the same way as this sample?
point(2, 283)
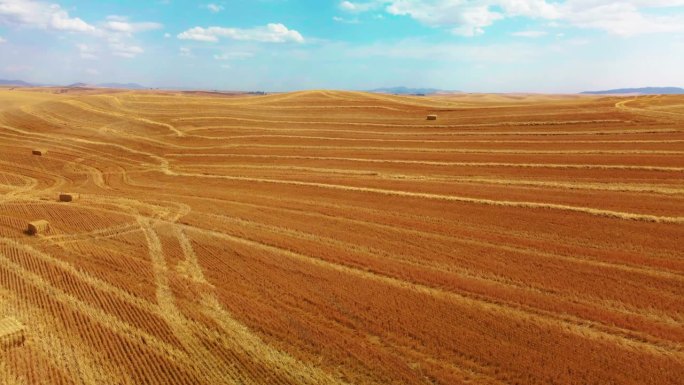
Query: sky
point(550, 46)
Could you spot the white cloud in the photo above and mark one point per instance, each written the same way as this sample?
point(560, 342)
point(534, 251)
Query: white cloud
point(2, 40)
point(185, 52)
point(471, 17)
point(214, 8)
point(530, 34)
point(529, 8)
point(234, 56)
point(121, 24)
point(360, 7)
point(41, 15)
point(119, 33)
point(63, 22)
point(167, 35)
point(125, 50)
point(625, 18)
point(271, 33)
point(463, 18)
point(116, 31)
point(346, 21)
point(200, 34)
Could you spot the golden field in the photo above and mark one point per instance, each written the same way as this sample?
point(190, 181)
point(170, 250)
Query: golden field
point(328, 237)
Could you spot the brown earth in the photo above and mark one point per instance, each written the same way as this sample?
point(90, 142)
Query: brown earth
point(328, 237)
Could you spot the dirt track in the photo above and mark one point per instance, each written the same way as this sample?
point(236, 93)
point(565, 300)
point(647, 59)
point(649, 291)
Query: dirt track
point(339, 237)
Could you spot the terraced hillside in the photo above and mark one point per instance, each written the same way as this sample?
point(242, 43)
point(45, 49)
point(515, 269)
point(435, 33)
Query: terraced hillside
point(340, 238)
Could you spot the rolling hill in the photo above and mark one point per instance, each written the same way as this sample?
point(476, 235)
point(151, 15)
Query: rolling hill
point(327, 237)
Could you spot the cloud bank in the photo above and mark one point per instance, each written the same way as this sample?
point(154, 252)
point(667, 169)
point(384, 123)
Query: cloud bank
point(40, 15)
point(472, 17)
point(271, 33)
point(116, 31)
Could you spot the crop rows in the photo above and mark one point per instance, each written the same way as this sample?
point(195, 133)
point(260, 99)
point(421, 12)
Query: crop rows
point(328, 237)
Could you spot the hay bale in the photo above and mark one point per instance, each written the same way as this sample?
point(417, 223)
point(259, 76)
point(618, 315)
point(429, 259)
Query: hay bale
point(432, 117)
point(68, 197)
point(39, 151)
point(12, 333)
point(38, 227)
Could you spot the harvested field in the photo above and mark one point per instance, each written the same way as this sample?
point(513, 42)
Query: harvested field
point(326, 237)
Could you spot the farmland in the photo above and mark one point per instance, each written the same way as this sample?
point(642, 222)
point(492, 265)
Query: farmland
point(326, 237)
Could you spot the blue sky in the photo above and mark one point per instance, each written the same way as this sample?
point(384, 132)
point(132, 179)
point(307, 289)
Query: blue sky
point(281, 45)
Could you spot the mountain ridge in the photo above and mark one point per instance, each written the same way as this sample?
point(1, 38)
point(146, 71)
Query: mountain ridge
point(16, 83)
point(22, 83)
point(642, 91)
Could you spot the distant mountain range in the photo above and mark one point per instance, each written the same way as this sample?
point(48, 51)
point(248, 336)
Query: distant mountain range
point(387, 90)
point(21, 83)
point(129, 86)
point(410, 91)
point(640, 91)
point(16, 83)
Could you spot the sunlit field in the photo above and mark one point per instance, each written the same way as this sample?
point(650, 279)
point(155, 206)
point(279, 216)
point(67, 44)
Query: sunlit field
point(326, 237)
